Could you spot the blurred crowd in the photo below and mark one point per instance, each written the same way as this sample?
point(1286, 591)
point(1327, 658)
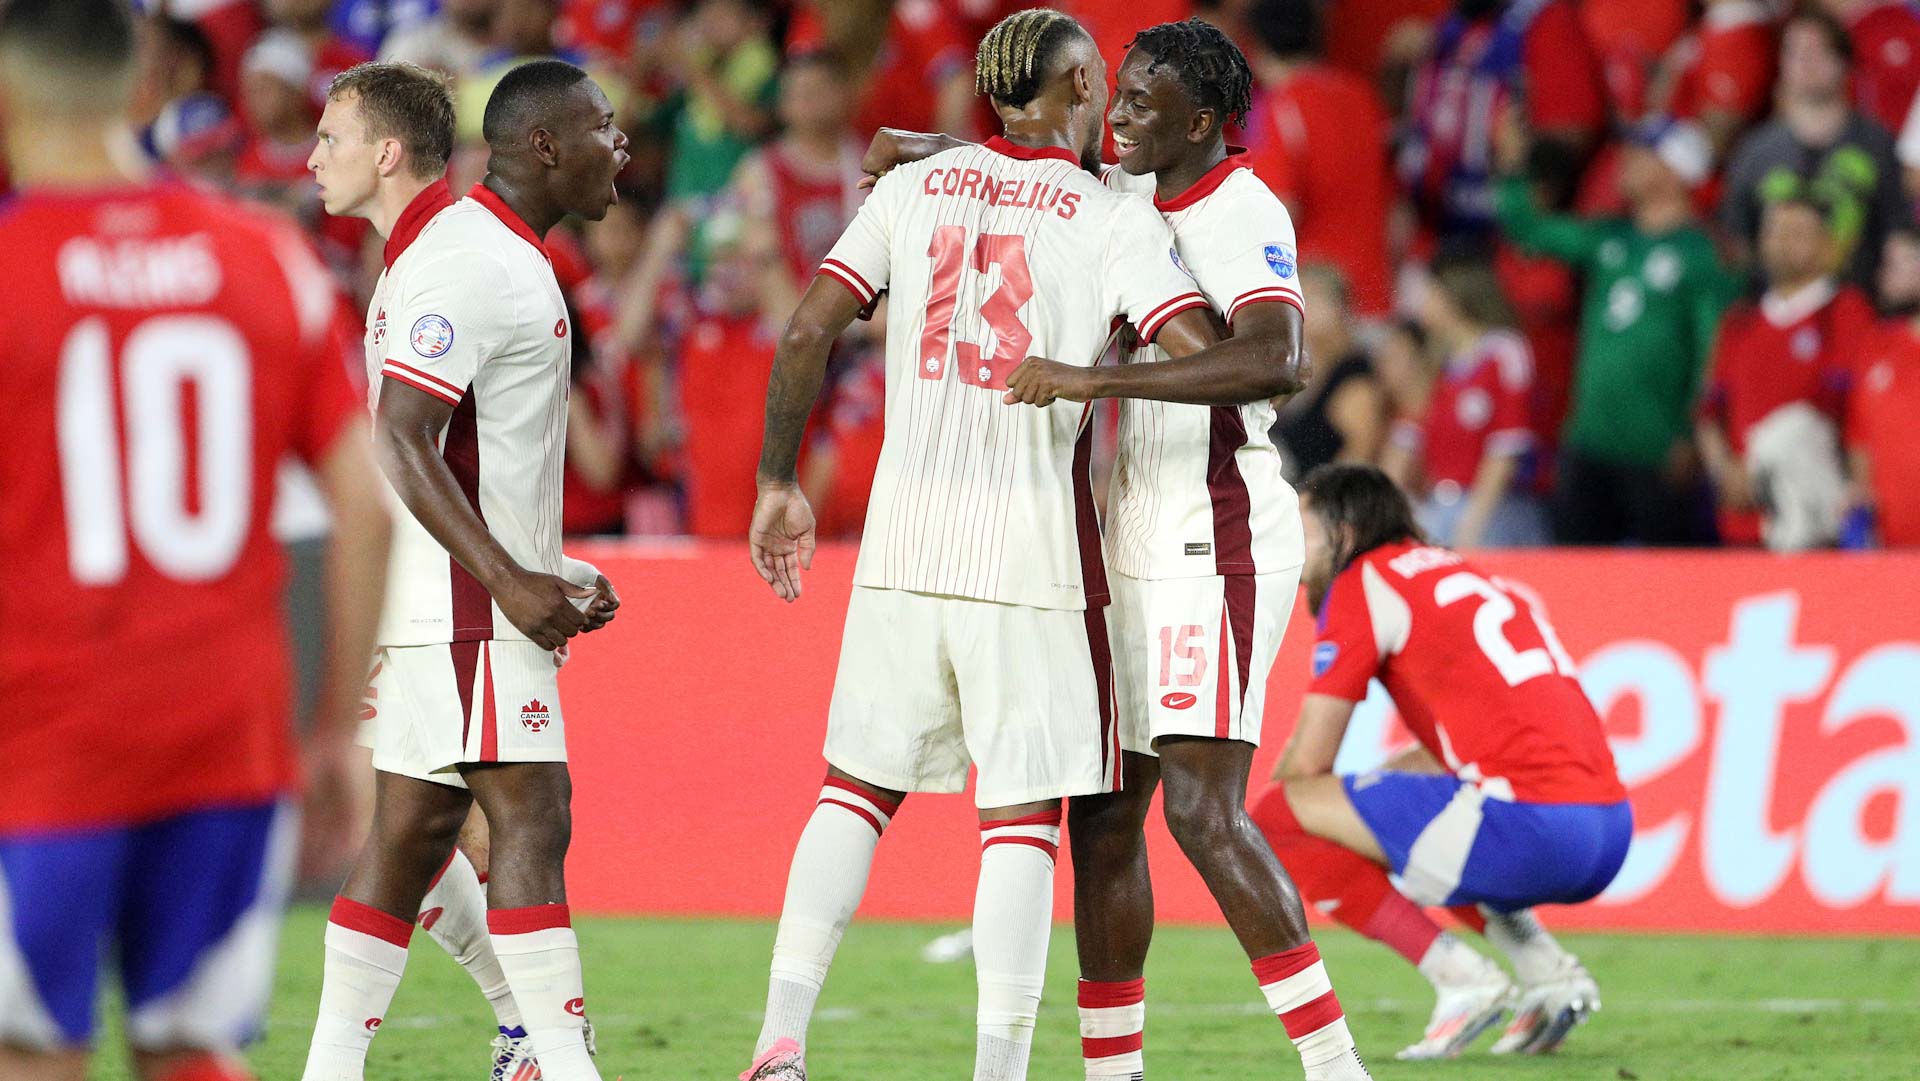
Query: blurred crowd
point(1577, 271)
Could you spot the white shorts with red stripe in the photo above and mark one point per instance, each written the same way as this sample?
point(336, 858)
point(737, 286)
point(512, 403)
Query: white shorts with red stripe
point(436, 708)
point(929, 685)
point(1192, 655)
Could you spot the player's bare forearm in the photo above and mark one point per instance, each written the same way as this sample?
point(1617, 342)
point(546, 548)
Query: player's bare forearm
point(1315, 743)
point(406, 434)
point(799, 368)
point(356, 572)
point(1264, 359)
point(1414, 759)
point(897, 146)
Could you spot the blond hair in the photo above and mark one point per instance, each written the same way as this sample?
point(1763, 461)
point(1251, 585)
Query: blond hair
point(1014, 55)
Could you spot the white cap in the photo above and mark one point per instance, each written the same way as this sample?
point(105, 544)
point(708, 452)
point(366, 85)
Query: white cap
point(282, 54)
point(1681, 145)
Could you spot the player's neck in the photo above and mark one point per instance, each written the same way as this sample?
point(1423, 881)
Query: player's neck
point(65, 153)
point(1039, 127)
point(521, 200)
point(392, 200)
point(1173, 183)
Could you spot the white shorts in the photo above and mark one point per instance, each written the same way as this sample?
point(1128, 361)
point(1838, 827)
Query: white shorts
point(928, 684)
point(435, 708)
point(1192, 655)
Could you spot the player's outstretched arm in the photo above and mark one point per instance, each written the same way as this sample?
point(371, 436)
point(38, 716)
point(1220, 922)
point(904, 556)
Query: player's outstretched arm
point(781, 538)
point(1263, 359)
point(406, 433)
point(897, 146)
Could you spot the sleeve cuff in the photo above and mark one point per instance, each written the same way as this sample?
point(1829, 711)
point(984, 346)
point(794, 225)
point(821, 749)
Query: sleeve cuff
point(847, 276)
point(1157, 318)
point(1265, 295)
point(420, 380)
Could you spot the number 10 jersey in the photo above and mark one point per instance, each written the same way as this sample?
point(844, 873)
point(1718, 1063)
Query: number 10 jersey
point(992, 254)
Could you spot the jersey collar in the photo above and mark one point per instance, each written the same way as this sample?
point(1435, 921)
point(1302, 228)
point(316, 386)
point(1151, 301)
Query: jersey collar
point(431, 200)
point(999, 144)
point(498, 207)
point(1208, 183)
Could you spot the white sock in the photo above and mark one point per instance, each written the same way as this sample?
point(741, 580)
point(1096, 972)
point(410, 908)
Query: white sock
point(1536, 956)
point(824, 886)
point(454, 914)
point(541, 959)
point(366, 951)
point(1012, 921)
point(1450, 962)
point(1297, 989)
point(1113, 1023)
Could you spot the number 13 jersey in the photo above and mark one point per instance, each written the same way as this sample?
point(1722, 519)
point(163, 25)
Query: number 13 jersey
point(992, 254)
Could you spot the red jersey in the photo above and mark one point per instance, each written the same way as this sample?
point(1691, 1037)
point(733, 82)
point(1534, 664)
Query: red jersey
point(810, 208)
point(1475, 670)
point(1882, 408)
point(1727, 66)
point(333, 56)
point(1479, 406)
point(1886, 61)
point(924, 48)
point(1319, 140)
point(1799, 348)
point(161, 351)
point(725, 362)
point(856, 428)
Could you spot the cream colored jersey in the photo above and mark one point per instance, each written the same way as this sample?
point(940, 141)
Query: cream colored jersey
point(470, 313)
point(991, 254)
point(1198, 490)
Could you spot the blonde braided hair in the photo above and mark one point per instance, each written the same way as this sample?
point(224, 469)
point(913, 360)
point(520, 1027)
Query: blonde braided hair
point(1011, 61)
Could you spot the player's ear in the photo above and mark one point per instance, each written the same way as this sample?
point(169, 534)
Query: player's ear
point(1204, 123)
point(546, 149)
point(387, 160)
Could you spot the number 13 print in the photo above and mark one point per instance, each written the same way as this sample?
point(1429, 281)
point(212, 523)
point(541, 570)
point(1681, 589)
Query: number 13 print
point(1001, 309)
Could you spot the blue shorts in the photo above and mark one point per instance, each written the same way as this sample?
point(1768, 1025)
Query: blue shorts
point(188, 908)
point(1450, 843)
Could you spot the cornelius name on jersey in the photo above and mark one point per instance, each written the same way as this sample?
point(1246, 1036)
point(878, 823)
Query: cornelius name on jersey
point(1015, 194)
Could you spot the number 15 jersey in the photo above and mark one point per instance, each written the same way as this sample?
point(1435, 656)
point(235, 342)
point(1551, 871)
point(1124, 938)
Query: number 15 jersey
point(992, 254)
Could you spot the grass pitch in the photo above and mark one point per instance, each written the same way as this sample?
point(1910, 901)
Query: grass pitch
point(679, 1001)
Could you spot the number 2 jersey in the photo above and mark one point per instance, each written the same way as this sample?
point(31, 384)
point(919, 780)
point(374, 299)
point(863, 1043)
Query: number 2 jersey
point(1198, 490)
point(161, 351)
point(1475, 669)
point(994, 253)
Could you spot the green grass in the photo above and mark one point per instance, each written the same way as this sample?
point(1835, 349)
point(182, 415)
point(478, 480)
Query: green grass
point(680, 1000)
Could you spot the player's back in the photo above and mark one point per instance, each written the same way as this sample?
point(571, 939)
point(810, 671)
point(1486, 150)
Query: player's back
point(994, 253)
point(1479, 675)
point(163, 351)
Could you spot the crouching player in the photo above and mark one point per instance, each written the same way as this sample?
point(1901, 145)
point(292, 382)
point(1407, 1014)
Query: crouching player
point(1510, 799)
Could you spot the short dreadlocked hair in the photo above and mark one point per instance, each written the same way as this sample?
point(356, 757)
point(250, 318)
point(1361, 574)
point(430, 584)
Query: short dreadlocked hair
point(1206, 62)
point(1015, 55)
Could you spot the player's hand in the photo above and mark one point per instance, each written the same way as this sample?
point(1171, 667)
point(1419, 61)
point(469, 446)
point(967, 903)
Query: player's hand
point(781, 537)
point(541, 606)
point(1038, 381)
point(895, 146)
point(605, 602)
point(327, 834)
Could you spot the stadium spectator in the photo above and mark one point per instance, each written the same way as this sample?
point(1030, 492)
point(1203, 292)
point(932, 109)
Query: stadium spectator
point(1816, 137)
point(1793, 349)
point(804, 186)
point(837, 474)
point(331, 52)
point(725, 64)
point(1487, 54)
point(1720, 75)
point(273, 84)
point(1341, 416)
point(175, 59)
point(1886, 50)
point(455, 40)
point(725, 359)
point(1654, 293)
point(612, 30)
point(1469, 456)
point(1883, 442)
point(519, 30)
point(196, 138)
point(1319, 140)
point(921, 76)
point(1628, 38)
point(1545, 296)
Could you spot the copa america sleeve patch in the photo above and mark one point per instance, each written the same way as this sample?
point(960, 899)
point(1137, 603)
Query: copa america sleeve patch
point(1281, 258)
point(1323, 657)
point(431, 336)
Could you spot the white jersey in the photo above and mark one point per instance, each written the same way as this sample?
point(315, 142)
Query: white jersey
point(993, 253)
point(1198, 490)
point(468, 311)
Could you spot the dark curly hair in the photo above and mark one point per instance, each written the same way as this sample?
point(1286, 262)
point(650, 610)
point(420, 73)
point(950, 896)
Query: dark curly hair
point(1206, 61)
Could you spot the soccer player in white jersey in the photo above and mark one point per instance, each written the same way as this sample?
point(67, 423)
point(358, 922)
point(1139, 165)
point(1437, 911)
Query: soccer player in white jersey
point(380, 153)
point(469, 393)
point(1204, 537)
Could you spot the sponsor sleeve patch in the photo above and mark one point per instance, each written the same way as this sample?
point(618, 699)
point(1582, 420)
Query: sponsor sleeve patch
point(1281, 258)
point(431, 336)
point(1324, 655)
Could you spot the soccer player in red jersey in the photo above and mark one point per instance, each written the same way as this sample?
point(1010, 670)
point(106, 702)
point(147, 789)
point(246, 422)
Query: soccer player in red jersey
point(1510, 800)
point(161, 352)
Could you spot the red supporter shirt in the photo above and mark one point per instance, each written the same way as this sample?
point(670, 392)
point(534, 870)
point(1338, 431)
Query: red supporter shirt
point(611, 27)
point(1566, 86)
point(1475, 670)
point(1881, 422)
point(1799, 348)
point(1728, 64)
point(856, 427)
point(1320, 142)
point(1886, 61)
point(725, 362)
point(1480, 406)
point(811, 209)
point(924, 48)
point(335, 55)
point(1629, 36)
point(161, 351)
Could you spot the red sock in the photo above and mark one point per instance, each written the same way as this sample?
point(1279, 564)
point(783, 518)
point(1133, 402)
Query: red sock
point(1471, 916)
point(208, 1067)
point(1342, 883)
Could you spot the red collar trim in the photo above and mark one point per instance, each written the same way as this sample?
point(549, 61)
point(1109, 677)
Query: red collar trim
point(498, 207)
point(1208, 183)
point(432, 199)
point(1000, 145)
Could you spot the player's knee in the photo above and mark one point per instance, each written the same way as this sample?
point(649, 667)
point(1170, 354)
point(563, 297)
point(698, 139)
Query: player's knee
point(1202, 821)
point(543, 823)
